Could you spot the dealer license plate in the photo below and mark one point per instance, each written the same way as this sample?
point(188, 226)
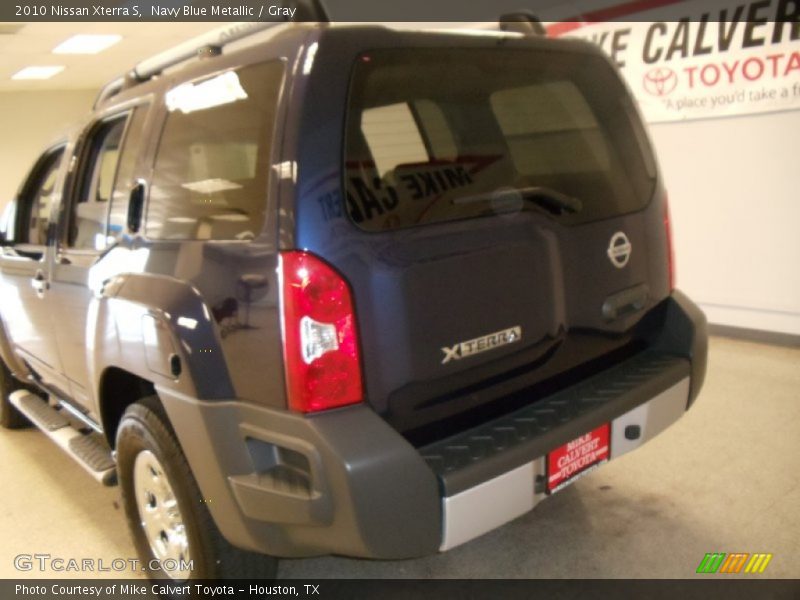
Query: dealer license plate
point(575, 459)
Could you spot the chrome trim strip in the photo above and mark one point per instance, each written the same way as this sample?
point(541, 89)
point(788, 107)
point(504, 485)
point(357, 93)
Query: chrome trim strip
point(652, 418)
point(484, 507)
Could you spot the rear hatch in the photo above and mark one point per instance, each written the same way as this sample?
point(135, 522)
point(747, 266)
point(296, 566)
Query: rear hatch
point(494, 212)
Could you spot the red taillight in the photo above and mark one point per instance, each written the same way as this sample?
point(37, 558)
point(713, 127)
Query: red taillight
point(320, 342)
point(670, 249)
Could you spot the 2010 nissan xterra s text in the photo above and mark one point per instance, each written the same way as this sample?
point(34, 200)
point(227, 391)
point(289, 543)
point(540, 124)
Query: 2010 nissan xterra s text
point(347, 290)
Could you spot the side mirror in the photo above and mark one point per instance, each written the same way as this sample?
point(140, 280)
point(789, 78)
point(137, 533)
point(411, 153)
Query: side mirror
point(31, 251)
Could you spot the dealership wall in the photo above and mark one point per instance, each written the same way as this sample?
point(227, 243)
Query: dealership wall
point(733, 188)
point(28, 121)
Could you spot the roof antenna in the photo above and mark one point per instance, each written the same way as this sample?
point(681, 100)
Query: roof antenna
point(311, 10)
point(522, 21)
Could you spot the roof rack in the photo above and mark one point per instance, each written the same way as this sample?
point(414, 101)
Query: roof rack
point(205, 45)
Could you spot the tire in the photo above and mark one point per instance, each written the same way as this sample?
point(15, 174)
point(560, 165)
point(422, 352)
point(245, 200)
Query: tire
point(145, 435)
point(10, 417)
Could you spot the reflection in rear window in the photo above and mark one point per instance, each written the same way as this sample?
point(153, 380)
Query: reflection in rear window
point(441, 135)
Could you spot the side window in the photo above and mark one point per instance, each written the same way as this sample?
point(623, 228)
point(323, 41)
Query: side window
point(34, 206)
point(212, 169)
point(124, 183)
point(88, 223)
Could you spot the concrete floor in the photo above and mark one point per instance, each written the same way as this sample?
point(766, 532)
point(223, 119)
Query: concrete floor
point(726, 478)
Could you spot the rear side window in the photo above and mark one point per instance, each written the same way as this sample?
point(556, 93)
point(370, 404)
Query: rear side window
point(124, 182)
point(39, 198)
point(213, 161)
point(88, 221)
point(26, 220)
point(441, 135)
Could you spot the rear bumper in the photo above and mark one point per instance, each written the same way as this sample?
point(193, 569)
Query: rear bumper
point(519, 489)
point(344, 482)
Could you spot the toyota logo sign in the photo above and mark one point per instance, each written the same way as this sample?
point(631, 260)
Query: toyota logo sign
point(660, 81)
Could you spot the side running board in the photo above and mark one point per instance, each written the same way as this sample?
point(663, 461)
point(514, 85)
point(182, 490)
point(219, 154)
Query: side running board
point(88, 449)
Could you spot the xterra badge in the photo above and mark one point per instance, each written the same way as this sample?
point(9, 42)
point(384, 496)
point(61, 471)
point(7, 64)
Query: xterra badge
point(482, 344)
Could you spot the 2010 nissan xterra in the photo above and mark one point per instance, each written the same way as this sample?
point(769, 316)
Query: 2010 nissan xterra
point(346, 290)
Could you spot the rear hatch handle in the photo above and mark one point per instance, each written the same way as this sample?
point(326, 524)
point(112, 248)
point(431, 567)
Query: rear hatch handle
point(627, 301)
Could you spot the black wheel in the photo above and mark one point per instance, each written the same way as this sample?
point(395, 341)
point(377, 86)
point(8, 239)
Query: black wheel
point(167, 517)
point(10, 417)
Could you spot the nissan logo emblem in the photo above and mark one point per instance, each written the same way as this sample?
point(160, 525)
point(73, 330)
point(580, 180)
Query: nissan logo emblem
point(619, 250)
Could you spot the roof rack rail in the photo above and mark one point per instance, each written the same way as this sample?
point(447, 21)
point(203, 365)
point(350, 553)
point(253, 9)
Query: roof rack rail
point(205, 45)
point(522, 21)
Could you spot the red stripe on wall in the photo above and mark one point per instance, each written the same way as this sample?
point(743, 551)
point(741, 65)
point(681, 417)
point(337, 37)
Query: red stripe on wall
point(606, 14)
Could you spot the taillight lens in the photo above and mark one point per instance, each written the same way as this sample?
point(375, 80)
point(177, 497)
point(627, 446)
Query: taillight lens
point(320, 342)
point(670, 247)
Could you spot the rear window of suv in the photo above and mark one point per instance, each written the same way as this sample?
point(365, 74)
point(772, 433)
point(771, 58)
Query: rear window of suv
point(439, 135)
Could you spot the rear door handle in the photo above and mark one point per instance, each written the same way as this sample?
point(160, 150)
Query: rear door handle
point(136, 206)
point(40, 283)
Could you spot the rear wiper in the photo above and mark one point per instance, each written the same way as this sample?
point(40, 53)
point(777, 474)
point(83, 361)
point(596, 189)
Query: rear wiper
point(551, 200)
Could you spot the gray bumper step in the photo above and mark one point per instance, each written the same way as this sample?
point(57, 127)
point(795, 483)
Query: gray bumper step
point(89, 450)
point(476, 455)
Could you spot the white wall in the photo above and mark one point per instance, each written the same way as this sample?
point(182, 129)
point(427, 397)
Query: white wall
point(735, 201)
point(28, 122)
